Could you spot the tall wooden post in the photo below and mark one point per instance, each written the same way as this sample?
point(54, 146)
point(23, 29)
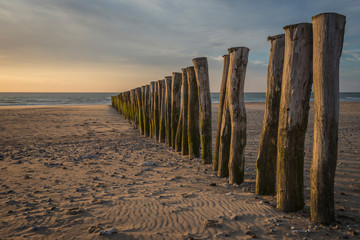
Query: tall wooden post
point(184, 112)
point(202, 78)
point(168, 110)
point(235, 90)
point(152, 109)
point(143, 107)
point(293, 116)
point(193, 115)
point(133, 108)
point(156, 116)
point(175, 105)
point(225, 136)
point(162, 111)
point(178, 136)
point(139, 109)
point(159, 96)
point(220, 111)
point(266, 160)
point(328, 34)
point(147, 111)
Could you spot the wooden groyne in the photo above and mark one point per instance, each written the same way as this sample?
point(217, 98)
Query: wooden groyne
point(307, 55)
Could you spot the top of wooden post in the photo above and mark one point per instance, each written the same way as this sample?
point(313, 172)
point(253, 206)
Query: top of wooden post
point(232, 49)
point(295, 25)
point(199, 58)
point(225, 55)
point(327, 13)
point(270, 38)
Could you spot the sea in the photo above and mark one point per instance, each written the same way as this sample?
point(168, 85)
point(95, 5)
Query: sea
point(48, 99)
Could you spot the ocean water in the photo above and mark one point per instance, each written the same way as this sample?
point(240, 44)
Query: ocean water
point(260, 97)
point(45, 99)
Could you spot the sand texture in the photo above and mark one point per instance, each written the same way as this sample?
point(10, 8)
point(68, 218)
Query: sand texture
point(83, 172)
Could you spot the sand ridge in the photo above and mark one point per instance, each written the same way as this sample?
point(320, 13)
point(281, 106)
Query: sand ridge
point(71, 172)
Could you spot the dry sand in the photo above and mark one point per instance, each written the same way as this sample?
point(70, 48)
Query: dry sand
point(70, 172)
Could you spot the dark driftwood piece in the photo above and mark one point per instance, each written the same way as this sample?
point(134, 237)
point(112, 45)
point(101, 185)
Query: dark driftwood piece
point(266, 159)
point(162, 112)
point(293, 116)
point(220, 111)
point(175, 105)
point(202, 78)
point(235, 90)
point(193, 115)
point(328, 34)
point(168, 110)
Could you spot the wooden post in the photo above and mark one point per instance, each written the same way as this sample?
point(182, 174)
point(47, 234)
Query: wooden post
point(193, 115)
point(156, 116)
point(168, 110)
point(184, 113)
point(143, 107)
point(132, 106)
point(178, 136)
point(266, 160)
point(328, 34)
point(175, 105)
point(162, 109)
point(220, 111)
point(147, 111)
point(293, 116)
point(152, 109)
point(202, 79)
point(225, 136)
point(235, 90)
point(139, 109)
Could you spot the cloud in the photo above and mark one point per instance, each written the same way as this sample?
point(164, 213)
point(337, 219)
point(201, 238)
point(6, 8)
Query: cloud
point(354, 54)
point(153, 34)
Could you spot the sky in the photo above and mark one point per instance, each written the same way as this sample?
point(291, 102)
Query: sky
point(117, 45)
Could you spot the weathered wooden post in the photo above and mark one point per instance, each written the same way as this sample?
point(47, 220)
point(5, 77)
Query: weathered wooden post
point(328, 36)
point(156, 116)
point(184, 112)
point(168, 110)
point(293, 116)
point(202, 78)
point(162, 108)
point(235, 90)
point(266, 159)
point(225, 136)
point(152, 110)
point(178, 136)
point(193, 115)
point(147, 111)
point(143, 107)
point(175, 105)
point(220, 111)
point(132, 107)
point(181, 140)
point(139, 109)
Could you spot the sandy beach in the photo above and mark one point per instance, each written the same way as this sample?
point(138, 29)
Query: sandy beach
point(83, 172)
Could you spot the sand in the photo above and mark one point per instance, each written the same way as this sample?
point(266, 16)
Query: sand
point(76, 172)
